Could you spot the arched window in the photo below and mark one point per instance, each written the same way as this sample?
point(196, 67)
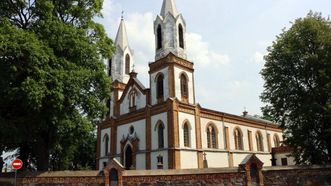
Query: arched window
point(259, 141)
point(132, 99)
point(211, 137)
point(160, 132)
point(186, 134)
point(238, 139)
point(106, 143)
point(159, 37)
point(276, 140)
point(128, 160)
point(127, 64)
point(159, 87)
point(181, 36)
point(184, 86)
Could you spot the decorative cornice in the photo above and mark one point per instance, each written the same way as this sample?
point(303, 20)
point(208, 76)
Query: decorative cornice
point(170, 59)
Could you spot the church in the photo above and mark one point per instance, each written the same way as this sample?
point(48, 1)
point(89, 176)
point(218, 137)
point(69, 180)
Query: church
point(163, 126)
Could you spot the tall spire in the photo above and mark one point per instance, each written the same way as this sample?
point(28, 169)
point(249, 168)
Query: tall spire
point(169, 31)
point(169, 6)
point(122, 59)
point(121, 37)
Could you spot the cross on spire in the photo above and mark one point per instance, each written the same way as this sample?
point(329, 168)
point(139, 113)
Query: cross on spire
point(122, 16)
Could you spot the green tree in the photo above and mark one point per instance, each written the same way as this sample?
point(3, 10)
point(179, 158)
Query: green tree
point(297, 86)
point(52, 79)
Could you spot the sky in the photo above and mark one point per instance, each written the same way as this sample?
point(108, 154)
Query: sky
point(226, 41)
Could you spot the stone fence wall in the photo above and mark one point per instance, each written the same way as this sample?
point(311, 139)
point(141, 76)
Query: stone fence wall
point(217, 176)
point(56, 178)
point(297, 176)
point(250, 173)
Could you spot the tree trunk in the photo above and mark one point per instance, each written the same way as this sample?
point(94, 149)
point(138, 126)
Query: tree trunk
point(42, 156)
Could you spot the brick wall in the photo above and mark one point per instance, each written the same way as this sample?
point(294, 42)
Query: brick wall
point(228, 176)
point(58, 178)
point(271, 176)
point(297, 176)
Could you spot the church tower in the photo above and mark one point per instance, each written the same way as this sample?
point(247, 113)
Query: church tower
point(121, 63)
point(120, 66)
point(169, 30)
point(171, 75)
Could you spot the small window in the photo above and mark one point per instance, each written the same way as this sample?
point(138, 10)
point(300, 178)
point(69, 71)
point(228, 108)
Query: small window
point(259, 141)
point(131, 130)
point(160, 162)
point(159, 87)
point(132, 99)
point(183, 86)
point(238, 139)
point(104, 164)
point(159, 37)
point(108, 104)
point(284, 161)
point(186, 131)
point(127, 64)
point(160, 132)
point(106, 144)
point(181, 36)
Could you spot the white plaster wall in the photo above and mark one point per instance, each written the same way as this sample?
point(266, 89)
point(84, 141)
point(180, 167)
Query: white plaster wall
point(154, 119)
point(102, 144)
point(191, 118)
point(178, 72)
point(154, 156)
point(111, 110)
point(217, 159)
point(101, 161)
point(140, 101)
point(164, 71)
point(119, 94)
point(140, 130)
point(244, 130)
point(188, 160)
point(140, 161)
point(279, 156)
point(220, 129)
point(265, 158)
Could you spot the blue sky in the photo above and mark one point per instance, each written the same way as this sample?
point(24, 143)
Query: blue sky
point(226, 40)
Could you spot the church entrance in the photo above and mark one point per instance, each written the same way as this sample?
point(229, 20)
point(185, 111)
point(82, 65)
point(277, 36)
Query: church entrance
point(128, 157)
point(113, 177)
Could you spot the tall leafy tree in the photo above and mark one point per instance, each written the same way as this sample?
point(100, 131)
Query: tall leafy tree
point(297, 86)
point(52, 80)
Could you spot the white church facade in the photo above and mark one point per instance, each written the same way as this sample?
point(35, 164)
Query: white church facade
point(163, 127)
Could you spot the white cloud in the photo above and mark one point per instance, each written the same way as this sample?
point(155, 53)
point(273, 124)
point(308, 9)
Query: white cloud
point(258, 58)
point(198, 50)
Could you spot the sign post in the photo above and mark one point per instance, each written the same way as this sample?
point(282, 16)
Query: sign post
point(16, 164)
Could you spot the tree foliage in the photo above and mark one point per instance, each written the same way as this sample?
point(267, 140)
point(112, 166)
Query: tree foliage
point(52, 80)
point(297, 86)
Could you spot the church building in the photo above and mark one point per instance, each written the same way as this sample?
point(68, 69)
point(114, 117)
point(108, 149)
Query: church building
point(163, 126)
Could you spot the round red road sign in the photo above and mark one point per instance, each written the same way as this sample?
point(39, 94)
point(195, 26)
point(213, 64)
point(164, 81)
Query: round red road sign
point(17, 164)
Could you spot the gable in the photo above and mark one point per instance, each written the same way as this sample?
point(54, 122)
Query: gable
point(127, 103)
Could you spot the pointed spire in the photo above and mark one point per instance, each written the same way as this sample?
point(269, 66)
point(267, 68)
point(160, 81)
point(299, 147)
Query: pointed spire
point(121, 37)
point(169, 6)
